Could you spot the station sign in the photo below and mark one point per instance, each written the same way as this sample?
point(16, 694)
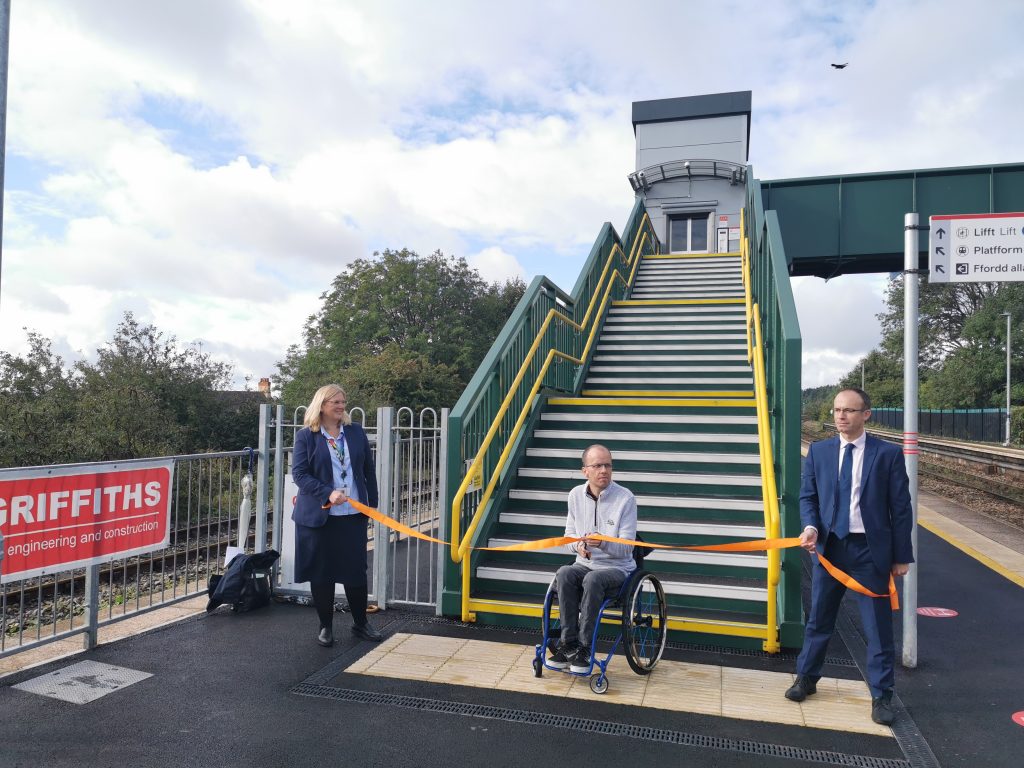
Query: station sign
point(57, 518)
point(976, 248)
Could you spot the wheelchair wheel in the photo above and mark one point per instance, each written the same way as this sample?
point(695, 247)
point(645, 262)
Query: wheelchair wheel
point(599, 683)
point(644, 624)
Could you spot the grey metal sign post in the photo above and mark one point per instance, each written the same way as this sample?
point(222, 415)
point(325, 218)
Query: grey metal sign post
point(1007, 315)
point(910, 447)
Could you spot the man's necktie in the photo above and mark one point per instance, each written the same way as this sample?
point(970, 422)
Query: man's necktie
point(841, 525)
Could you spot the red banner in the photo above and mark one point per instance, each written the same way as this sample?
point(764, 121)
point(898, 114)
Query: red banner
point(53, 519)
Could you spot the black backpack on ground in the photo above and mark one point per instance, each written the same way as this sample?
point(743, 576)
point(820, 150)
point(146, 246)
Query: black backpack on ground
point(245, 585)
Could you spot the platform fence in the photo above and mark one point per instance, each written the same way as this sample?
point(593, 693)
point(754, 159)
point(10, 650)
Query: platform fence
point(207, 515)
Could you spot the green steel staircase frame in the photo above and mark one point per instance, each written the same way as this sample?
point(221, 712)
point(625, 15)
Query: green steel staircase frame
point(541, 349)
point(544, 350)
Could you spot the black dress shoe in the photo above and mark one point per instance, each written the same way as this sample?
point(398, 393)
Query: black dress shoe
point(366, 632)
point(881, 709)
point(326, 637)
point(802, 688)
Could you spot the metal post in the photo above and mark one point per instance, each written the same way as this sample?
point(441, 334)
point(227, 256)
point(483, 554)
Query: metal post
point(910, 449)
point(262, 479)
point(862, 376)
point(443, 519)
point(5, 39)
point(92, 607)
point(278, 516)
point(381, 534)
point(1007, 314)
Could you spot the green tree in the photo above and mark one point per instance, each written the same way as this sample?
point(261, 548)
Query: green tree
point(961, 339)
point(37, 406)
point(147, 396)
point(427, 320)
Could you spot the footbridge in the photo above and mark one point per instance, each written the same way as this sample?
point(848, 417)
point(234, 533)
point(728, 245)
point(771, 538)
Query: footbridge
point(678, 347)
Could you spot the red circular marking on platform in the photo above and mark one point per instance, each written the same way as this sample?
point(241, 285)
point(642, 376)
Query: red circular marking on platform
point(937, 613)
point(1018, 718)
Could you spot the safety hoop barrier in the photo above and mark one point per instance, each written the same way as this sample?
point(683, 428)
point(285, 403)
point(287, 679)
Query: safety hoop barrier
point(756, 545)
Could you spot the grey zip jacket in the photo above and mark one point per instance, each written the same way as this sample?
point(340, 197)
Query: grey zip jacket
point(613, 513)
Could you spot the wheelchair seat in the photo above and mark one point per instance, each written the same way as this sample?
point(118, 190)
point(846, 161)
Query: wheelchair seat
point(643, 620)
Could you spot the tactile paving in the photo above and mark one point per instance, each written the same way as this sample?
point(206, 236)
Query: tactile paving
point(745, 694)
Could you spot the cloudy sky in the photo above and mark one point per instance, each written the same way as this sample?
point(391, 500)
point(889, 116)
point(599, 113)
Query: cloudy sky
point(211, 165)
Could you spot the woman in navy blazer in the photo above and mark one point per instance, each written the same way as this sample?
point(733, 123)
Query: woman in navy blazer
point(331, 464)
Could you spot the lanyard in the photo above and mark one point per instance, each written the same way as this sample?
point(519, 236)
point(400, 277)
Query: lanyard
point(338, 446)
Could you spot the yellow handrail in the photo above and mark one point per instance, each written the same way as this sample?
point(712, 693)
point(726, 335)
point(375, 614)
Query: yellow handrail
point(769, 493)
point(477, 464)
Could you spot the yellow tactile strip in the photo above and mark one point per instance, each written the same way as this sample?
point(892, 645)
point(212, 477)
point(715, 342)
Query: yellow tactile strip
point(842, 705)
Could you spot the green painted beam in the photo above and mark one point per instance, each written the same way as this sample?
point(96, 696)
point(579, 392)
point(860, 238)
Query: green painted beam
point(834, 225)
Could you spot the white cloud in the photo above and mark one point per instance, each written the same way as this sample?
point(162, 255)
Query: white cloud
point(212, 166)
point(496, 265)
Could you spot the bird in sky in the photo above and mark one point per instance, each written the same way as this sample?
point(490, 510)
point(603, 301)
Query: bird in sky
point(840, 66)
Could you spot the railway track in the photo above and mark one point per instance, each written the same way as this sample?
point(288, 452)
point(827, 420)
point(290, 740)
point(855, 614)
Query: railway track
point(997, 471)
point(189, 546)
point(193, 548)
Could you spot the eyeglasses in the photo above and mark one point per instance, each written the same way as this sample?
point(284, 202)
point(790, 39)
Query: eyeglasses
point(598, 466)
point(847, 411)
point(337, 402)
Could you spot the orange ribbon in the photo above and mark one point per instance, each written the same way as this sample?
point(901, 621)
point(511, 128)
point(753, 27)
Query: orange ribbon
point(758, 545)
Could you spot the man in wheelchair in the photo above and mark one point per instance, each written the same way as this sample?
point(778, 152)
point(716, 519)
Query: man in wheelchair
point(598, 506)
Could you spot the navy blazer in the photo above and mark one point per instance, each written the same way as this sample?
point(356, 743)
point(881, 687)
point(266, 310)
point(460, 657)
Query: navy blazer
point(884, 498)
point(314, 476)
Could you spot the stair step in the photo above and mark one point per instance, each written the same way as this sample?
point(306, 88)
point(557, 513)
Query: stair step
point(612, 407)
point(674, 302)
point(656, 281)
point(718, 529)
point(702, 323)
point(696, 292)
point(682, 311)
point(688, 478)
point(645, 418)
point(680, 456)
point(704, 337)
point(688, 587)
point(672, 556)
point(622, 346)
point(743, 367)
point(737, 381)
point(742, 359)
point(740, 368)
point(670, 258)
point(595, 435)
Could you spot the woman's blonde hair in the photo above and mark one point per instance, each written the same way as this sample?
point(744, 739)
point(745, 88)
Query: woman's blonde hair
point(325, 393)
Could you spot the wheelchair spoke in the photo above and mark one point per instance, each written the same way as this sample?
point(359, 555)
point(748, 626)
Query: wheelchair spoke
point(645, 623)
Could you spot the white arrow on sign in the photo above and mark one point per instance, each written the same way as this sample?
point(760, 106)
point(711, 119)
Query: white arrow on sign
point(986, 247)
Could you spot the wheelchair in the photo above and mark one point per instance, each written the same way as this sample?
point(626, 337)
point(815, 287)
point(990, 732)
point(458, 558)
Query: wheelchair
point(643, 627)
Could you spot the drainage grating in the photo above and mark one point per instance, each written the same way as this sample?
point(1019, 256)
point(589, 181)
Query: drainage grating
point(598, 726)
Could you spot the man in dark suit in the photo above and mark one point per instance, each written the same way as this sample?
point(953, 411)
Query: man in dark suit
point(856, 510)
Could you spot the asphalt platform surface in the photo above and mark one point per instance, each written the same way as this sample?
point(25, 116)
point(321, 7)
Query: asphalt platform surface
point(256, 690)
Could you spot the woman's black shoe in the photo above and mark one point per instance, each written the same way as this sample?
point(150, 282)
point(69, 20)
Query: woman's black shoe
point(366, 632)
